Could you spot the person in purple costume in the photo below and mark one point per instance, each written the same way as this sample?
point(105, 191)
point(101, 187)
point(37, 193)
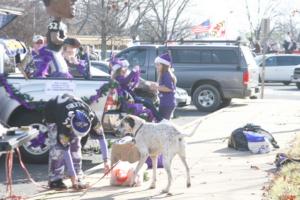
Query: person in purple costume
point(57, 33)
point(69, 119)
point(128, 82)
point(166, 85)
point(41, 58)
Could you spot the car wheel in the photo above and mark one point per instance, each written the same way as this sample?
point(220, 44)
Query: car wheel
point(298, 85)
point(225, 102)
point(286, 83)
point(207, 98)
point(36, 150)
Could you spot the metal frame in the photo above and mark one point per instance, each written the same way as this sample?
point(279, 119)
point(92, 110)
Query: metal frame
point(182, 41)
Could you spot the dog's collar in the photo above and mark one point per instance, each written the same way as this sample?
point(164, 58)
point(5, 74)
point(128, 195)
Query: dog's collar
point(137, 131)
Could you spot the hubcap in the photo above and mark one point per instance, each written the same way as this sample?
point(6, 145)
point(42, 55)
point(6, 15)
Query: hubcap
point(40, 144)
point(206, 98)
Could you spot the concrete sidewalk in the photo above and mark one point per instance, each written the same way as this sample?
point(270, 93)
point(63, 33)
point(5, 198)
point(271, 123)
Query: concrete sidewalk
point(217, 172)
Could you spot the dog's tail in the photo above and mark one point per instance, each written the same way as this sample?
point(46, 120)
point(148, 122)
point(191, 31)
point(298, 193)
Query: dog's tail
point(193, 131)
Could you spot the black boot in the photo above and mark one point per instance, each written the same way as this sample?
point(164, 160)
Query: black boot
point(57, 185)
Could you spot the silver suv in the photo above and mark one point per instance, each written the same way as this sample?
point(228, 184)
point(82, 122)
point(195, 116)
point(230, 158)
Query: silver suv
point(212, 73)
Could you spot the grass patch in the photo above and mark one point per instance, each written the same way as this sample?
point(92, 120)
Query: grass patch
point(286, 182)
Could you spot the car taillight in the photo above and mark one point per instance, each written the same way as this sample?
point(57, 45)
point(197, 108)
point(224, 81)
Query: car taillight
point(246, 77)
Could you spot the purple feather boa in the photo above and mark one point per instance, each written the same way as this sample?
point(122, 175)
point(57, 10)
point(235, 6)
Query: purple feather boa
point(10, 91)
point(135, 80)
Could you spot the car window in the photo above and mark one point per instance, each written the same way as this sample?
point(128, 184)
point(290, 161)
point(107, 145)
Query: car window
point(134, 56)
point(272, 61)
point(103, 67)
point(284, 61)
point(224, 57)
point(296, 60)
point(186, 56)
point(205, 57)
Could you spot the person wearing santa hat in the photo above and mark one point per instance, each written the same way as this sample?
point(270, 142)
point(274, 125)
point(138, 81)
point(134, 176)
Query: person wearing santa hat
point(166, 85)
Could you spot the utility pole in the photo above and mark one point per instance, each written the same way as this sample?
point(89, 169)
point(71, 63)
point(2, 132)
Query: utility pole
point(265, 31)
point(34, 16)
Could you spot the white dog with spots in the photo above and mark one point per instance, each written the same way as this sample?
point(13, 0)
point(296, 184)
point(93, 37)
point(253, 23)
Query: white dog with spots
point(153, 139)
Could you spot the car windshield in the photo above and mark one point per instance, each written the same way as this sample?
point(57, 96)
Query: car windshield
point(95, 72)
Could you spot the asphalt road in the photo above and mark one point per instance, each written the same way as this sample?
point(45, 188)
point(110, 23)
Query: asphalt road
point(182, 115)
point(280, 91)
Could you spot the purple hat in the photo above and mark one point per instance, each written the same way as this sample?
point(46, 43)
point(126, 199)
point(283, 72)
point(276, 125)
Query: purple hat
point(164, 59)
point(117, 64)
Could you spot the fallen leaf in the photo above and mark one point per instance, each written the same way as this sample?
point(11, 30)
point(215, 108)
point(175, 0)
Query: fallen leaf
point(254, 167)
point(288, 197)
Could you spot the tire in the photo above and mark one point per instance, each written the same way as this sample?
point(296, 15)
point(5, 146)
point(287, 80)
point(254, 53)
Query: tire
point(298, 85)
point(225, 102)
point(35, 151)
point(207, 98)
point(286, 83)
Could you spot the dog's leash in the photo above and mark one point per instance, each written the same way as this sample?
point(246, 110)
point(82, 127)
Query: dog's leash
point(96, 182)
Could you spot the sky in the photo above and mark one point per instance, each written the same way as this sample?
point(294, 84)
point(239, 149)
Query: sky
point(233, 12)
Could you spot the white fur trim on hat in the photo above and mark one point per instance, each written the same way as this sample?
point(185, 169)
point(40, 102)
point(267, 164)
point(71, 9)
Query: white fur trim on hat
point(125, 63)
point(116, 67)
point(162, 61)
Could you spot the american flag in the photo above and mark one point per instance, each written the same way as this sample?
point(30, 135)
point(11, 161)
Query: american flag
point(202, 28)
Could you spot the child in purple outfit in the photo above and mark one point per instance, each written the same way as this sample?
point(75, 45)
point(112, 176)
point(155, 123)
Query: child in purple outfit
point(166, 86)
point(129, 81)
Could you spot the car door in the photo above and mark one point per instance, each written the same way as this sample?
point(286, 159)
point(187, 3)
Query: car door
point(285, 68)
point(270, 67)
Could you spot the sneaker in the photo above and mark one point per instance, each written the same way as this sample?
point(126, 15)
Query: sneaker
point(57, 185)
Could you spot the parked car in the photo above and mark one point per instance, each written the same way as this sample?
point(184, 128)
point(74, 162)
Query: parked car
point(296, 76)
point(211, 73)
point(38, 91)
point(278, 67)
point(102, 65)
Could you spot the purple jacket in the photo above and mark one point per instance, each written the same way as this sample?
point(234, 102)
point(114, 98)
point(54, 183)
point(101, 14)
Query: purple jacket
point(42, 62)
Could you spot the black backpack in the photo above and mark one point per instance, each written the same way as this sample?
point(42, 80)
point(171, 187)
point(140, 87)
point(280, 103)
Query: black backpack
point(239, 141)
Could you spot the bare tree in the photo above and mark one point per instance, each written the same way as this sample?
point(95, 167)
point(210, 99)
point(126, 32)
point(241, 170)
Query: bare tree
point(33, 21)
point(108, 18)
point(164, 21)
point(264, 9)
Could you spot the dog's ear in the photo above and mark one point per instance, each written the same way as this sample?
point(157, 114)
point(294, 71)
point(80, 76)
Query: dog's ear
point(130, 121)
